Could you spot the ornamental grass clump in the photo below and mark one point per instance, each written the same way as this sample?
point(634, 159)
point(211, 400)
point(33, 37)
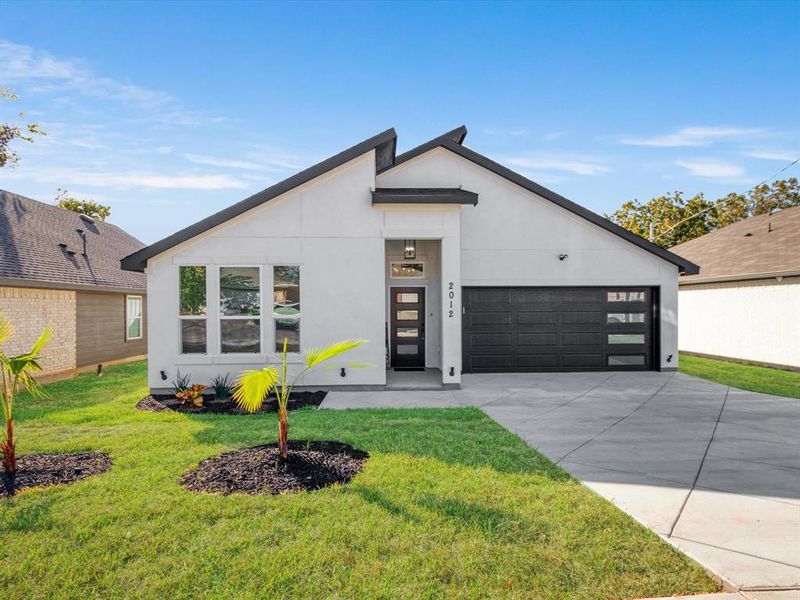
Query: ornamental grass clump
point(17, 372)
point(253, 387)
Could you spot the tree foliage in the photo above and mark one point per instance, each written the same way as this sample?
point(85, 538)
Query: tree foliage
point(10, 132)
point(85, 207)
point(678, 219)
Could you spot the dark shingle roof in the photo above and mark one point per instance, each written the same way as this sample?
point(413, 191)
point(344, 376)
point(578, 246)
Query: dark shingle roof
point(759, 245)
point(40, 242)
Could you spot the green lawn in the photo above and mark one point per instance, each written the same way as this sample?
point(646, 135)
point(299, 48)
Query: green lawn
point(449, 505)
point(746, 377)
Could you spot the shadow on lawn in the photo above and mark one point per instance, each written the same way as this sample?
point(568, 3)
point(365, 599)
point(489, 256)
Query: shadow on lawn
point(456, 436)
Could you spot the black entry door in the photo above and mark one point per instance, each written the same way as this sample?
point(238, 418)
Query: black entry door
point(558, 329)
point(408, 327)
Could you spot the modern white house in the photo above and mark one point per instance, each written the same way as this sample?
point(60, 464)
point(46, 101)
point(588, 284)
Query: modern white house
point(444, 259)
point(745, 303)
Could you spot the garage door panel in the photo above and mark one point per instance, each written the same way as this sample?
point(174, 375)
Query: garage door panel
point(537, 339)
point(556, 329)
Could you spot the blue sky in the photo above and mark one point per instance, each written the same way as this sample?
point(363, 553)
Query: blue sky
point(170, 112)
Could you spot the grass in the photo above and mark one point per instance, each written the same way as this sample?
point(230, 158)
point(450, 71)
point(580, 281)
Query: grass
point(746, 377)
point(449, 505)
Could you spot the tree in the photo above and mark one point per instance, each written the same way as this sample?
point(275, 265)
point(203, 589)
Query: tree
point(9, 133)
point(677, 220)
point(16, 372)
point(89, 208)
point(253, 387)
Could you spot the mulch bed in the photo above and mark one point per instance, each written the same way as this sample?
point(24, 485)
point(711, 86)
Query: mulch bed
point(162, 402)
point(36, 470)
point(310, 466)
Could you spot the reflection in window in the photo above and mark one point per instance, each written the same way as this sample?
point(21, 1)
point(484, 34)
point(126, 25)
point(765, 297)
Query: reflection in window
point(637, 296)
point(192, 309)
point(239, 310)
point(625, 317)
point(626, 338)
point(239, 291)
point(626, 360)
point(408, 270)
point(407, 349)
point(286, 307)
point(193, 336)
point(407, 315)
point(407, 332)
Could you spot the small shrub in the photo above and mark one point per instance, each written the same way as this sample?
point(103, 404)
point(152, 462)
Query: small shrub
point(180, 383)
point(222, 386)
point(192, 395)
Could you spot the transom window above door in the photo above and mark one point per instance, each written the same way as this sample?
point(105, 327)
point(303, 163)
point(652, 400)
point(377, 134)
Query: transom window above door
point(408, 270)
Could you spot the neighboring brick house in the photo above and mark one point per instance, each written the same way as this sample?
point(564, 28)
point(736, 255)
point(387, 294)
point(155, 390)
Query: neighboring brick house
point(62, 269)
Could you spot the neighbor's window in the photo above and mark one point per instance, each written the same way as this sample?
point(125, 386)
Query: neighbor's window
point(637, 296)
point(240, 310)
point(192, 283)
point(133, 317)
point(286, 307)
point(408, 270)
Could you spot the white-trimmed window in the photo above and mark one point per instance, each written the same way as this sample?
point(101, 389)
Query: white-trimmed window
point(133, 317)
point(240, 310)
point(193, 309)
point(286, 306)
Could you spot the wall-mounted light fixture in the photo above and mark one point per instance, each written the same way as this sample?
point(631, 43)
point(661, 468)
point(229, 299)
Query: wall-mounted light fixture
point(410, 251)
point(163, 376)
point(669, 358)
point(343, 373)
point(562, 256)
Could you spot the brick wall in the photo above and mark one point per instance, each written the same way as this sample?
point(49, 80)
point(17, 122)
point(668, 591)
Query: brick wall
point(29, 310)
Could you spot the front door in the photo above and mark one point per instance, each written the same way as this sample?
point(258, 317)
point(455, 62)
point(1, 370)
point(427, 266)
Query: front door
point(408, 327)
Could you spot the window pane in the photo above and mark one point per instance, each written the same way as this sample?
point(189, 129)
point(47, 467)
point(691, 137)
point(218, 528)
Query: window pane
point(634, 360)
point(407, 315)
point(286, 307)
point(407, 349)
point(239, 291)
point(408, 270)
point(193, 290)
point(240, 335)
point(407, 332)
point(193, 336)
point(625, 318)
point(626, 338)
point(407, 298)
point(637, 296)
point(134, 328)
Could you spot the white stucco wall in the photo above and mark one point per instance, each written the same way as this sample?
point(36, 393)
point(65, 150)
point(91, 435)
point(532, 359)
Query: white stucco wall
point(748, 320)
point(514, 237)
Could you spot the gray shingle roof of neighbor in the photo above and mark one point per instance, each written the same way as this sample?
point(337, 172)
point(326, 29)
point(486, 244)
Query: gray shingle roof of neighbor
point(385, 145)
point(39, 243)
point(424, 196)
point(766, 245)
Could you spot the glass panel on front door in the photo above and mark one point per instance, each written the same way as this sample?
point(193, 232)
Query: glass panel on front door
point(407, 328)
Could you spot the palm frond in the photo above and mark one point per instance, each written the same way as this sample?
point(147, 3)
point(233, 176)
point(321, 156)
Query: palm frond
point(315, 356)
point(41, 342)
point(6, 330)
point(253, 386)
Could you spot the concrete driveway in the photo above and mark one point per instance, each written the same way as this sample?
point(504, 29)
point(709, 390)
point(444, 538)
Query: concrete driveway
point(714, 470)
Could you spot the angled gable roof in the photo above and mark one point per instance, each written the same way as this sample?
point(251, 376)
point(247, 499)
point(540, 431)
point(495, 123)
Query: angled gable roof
point(384, 145)
point(453, 141)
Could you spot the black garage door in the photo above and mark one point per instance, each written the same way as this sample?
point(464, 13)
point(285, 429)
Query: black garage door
point(522, 329)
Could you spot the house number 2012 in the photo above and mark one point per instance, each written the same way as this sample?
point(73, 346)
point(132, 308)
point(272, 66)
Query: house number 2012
point(451, 294)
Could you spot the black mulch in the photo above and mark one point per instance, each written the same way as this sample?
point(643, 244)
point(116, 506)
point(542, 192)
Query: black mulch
point(310, 466)
point(162, 402)
point(35, 470)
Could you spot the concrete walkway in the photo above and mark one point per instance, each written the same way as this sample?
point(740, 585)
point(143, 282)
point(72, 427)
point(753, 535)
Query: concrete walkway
point(714, 470)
